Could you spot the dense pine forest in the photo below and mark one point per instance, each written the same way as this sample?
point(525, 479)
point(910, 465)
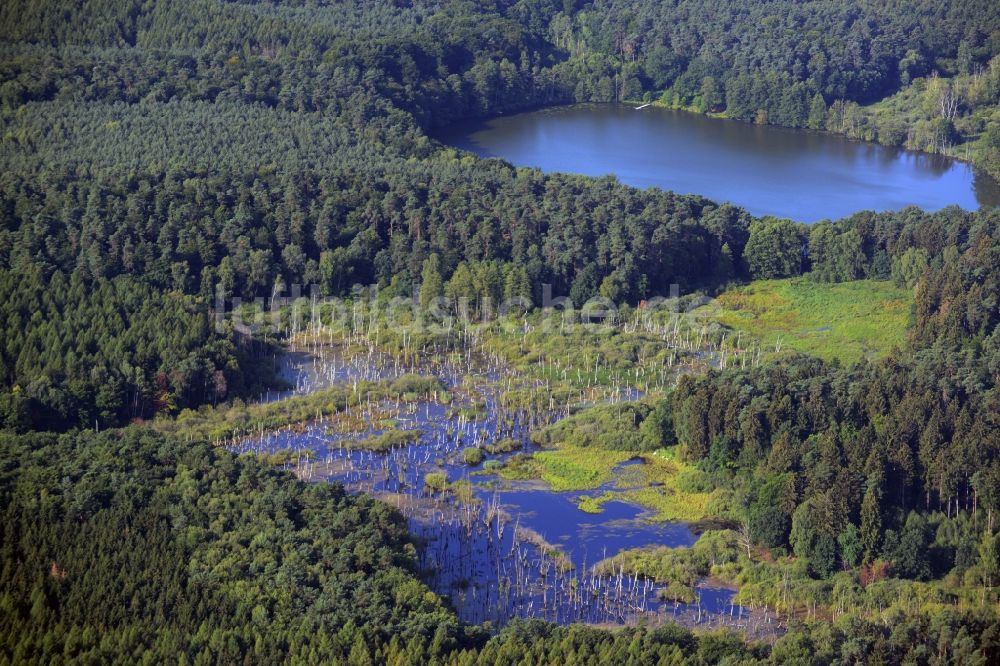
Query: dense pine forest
point(158, 158)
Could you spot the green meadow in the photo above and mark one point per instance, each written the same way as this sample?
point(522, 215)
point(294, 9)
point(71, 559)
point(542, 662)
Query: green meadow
point(847, 321)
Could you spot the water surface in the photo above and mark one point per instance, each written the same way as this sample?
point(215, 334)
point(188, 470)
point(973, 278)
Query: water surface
point(806, 176)
point(517, 549)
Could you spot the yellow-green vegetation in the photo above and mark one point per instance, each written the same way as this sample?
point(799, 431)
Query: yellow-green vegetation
point(636, 348)
point(472, 411)
point(678, 569)
point(846, 321)
point(669, 503)
point(236, 419)
point(567, 468)
point(605, 426)
point(506, 445)
point(283, 457)
point(382, 442)
point(578, 468)
point(522, 467)
point(460, 489)
point(435, 482)
point(590, 504)
point(669, 488)
point(414, 387)
point(529, 398)
point(472, 455)
point(580, 355)
point(353, 421)
point(587, 451)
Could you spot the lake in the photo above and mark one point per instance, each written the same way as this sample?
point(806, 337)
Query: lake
point(806, 176)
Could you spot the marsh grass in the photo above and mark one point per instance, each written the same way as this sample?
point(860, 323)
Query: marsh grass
point(611, 427)
point(522, 467)
point(236, 419)
point(385, 441)
point(578, 468)
point(588, 450)
point(472, 455)
point(847, 321)
point(661, 485)
point(678, 569)
point(506, 445)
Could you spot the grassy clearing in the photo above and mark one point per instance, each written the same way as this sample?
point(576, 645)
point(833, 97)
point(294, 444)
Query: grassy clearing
point(581, 356)
point(846, 321)
point(671, 504)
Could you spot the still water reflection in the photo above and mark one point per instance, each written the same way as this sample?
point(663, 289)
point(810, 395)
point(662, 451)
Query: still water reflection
point(803, 175)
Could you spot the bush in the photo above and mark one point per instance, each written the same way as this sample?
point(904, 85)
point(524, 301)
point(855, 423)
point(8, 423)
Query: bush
point(472, 455)
point(611, 427)
point(413, 384)
point(507, 445)
point(435, 482)
point(389, 439)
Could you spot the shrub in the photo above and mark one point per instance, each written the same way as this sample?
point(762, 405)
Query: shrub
point(472, 455)
point(435, 482)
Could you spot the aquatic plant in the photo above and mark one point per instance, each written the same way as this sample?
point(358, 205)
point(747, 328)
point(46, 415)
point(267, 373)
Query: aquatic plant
point(382, 442)
point(472, 455)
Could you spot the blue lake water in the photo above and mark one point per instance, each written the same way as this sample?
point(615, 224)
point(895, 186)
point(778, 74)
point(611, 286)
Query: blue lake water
point(806, 176)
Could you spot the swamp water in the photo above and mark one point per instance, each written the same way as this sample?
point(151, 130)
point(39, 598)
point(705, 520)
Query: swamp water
point(497, 549)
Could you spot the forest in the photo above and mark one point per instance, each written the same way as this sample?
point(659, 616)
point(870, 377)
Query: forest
point(157, 156)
